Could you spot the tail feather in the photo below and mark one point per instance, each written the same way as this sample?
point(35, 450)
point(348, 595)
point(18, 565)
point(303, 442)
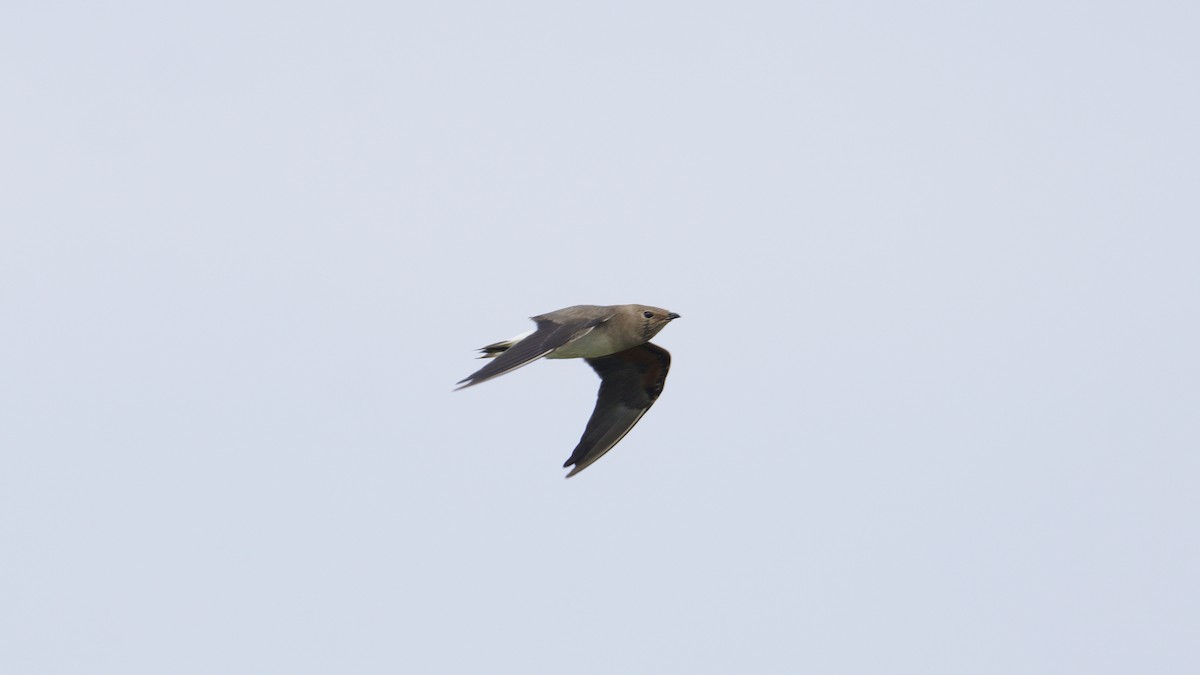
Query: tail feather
point(497, 348)
point(493, 350)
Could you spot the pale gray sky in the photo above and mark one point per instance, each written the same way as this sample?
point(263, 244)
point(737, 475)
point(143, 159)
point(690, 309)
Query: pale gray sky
point(933, 406)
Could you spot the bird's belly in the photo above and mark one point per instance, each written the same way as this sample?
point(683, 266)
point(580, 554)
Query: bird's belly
point(596, 343)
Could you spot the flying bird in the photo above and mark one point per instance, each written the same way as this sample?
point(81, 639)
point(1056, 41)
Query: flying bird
point(615, 341)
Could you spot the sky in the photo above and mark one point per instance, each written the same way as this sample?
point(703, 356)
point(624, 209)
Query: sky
point(933, 404)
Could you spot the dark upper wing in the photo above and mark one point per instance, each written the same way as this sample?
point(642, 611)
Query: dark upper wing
point(630, 382)
point(548, 337)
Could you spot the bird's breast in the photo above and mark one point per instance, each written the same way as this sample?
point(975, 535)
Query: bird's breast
point(598, 342)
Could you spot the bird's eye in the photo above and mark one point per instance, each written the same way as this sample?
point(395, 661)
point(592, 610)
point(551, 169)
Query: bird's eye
point(648, 315)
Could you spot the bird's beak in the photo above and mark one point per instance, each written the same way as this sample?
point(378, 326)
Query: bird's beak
point(672, 316)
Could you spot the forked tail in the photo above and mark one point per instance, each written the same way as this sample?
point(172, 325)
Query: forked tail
point(497, 348)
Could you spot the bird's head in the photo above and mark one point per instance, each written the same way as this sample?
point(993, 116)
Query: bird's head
point(653, 319)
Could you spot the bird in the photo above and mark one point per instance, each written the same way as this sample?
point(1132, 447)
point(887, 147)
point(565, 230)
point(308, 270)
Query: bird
point(615, 342)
